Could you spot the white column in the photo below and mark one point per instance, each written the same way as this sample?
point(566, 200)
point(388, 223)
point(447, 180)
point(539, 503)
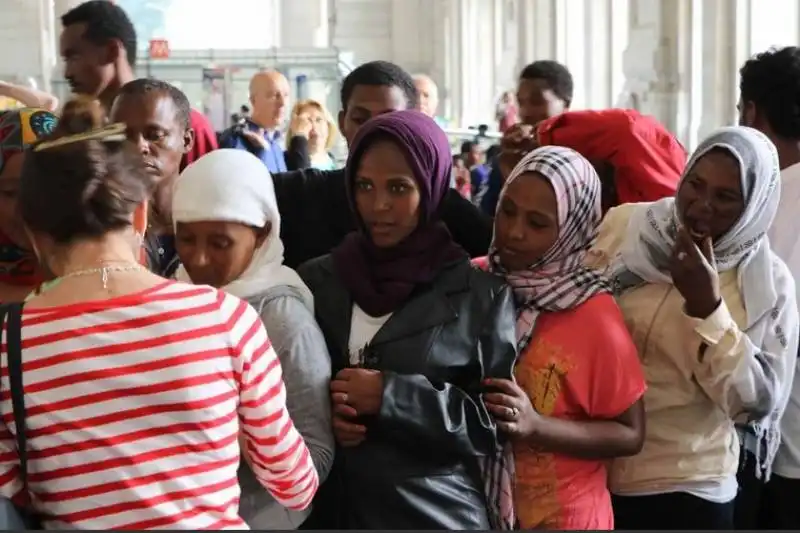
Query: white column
point(481, 109)
point(620, 29)
point(26, 26)
point(450, 101)
point(573, 41)
point(598, 51)
point(539, 36)
point(720, 87)
point(526, 47)
point(506, 48)
point(440, 54)
point(49, 35)
point(304, 24)
point(465, 77)
point(663, 64)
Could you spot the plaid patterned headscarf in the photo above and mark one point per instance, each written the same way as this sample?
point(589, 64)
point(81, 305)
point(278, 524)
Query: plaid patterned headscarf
point(19, 128)
point(559, 280)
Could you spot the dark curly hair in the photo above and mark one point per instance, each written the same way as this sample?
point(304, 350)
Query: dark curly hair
point(143, 86)
point(105, 21)
point(771, 81)
point(557, 77)
point(379, 73)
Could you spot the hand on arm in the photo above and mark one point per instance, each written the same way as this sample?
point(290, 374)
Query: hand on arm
point(354, 392)
point(589, 439)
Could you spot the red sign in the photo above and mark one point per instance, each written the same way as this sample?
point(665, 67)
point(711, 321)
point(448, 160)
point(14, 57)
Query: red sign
point(159, 49)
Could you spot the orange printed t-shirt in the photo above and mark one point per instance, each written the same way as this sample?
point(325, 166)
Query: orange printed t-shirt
point(580, 365)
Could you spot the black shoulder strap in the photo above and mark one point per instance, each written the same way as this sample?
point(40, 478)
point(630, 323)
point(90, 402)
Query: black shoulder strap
point(14, 356)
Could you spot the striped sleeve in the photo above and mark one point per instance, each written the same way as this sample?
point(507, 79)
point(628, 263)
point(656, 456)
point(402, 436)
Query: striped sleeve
point(278, 455)
point(10, 482)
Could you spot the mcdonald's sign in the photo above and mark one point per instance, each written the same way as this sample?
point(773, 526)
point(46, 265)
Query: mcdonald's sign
point(159, 49)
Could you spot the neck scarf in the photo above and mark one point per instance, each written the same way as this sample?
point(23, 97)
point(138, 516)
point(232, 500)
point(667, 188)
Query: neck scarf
point(19, 128)
point(380, 280)
point(651, 237)
point(234, 186)
point(558, 281)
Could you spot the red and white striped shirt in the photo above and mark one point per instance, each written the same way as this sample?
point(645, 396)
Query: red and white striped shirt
point(134, 409)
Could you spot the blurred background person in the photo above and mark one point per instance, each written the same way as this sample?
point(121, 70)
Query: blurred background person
point(311, 116)
point(261, 134)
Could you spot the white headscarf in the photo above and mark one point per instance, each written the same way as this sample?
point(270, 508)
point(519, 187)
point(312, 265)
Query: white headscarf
point(653, 226)
point(651, 236)
point(234, 186)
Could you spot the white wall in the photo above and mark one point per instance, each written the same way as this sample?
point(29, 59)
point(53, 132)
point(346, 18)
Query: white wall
point(26, 34)
point(675, 59)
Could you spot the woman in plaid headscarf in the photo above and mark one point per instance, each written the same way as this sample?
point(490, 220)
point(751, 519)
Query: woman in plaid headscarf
point(576, 398)
point(19, 269)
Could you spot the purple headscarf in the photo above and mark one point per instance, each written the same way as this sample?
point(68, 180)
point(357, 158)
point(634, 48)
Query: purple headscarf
point(380, 280)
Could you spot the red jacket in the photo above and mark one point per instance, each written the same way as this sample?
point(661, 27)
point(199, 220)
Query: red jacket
point(647, 159)
point(205, 139)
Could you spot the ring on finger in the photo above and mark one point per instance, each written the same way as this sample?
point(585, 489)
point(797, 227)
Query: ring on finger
point(514, 412)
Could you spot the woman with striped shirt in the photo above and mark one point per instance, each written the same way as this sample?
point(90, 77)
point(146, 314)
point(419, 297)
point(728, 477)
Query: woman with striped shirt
point(137, 388)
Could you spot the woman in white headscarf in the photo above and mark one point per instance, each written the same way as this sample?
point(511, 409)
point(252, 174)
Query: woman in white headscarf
point(227, 229)
point(713, 314)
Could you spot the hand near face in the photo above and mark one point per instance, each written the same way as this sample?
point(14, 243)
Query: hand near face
point(517, 141)
point(694, 274)
point(301, 126)
point(511, 408)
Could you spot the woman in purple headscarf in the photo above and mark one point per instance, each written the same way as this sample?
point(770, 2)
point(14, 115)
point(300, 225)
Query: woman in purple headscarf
point(413, 332)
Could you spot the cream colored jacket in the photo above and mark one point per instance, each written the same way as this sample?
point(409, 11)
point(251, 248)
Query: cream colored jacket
point(691, 400)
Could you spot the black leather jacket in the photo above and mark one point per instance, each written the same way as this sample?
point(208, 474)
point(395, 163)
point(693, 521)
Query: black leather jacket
point(417, 468)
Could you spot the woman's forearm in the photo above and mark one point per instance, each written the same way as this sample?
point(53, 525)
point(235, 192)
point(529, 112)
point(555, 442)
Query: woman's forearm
point(590, 439)
point(29, 97)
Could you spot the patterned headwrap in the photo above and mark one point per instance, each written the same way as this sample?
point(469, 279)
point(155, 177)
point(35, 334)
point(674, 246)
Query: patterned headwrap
point(558, 281)
point(19, 128)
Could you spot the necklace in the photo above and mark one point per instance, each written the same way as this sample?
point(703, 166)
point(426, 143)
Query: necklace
point(103, 271)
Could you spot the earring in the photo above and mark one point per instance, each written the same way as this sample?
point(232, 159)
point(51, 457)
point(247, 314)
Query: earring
point(139, 238)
